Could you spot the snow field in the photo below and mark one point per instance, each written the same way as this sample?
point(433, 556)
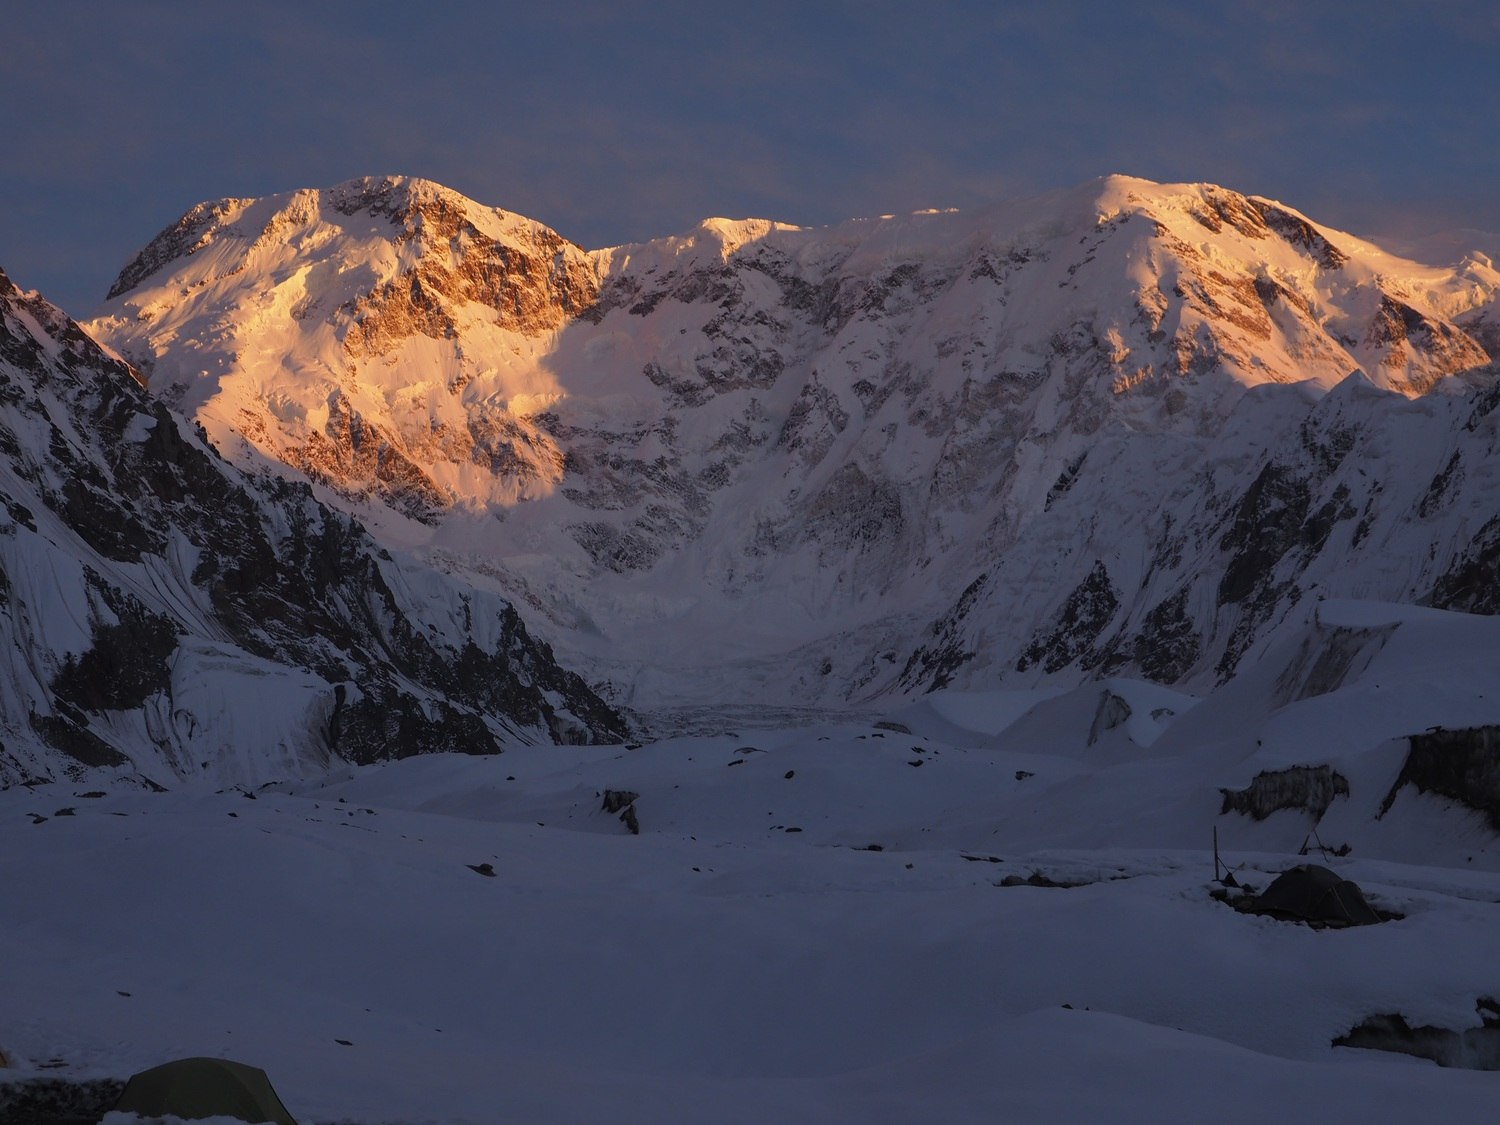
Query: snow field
point(718, 967)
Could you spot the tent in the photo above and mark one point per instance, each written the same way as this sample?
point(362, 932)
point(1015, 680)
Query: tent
point(1310, 893)
point(193, 1088)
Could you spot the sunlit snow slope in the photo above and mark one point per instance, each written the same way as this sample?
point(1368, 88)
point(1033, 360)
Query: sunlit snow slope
point(1123, 428)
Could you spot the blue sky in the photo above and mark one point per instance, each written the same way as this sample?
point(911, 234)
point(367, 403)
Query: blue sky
point(620, 121)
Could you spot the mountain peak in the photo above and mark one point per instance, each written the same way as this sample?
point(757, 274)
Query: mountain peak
point(417, 208)
point(752, 414)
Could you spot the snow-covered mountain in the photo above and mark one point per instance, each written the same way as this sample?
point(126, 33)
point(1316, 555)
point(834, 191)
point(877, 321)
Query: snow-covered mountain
point(1125, 427)
point(1106, 510)
point(166, 615)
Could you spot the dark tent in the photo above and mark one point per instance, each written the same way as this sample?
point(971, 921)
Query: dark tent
point(196, 1088)
point(1315, 894)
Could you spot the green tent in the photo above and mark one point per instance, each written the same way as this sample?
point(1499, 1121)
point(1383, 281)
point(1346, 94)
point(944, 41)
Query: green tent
point(196, 1088)
point(1311, 893)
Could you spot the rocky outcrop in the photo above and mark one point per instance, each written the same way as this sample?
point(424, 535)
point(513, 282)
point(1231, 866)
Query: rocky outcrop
point(1461, 765)
point(1083, 618)
point(189, 234)
point(532, 282)
point(1471, 583)
point(1168, 644)
point(1310, 789)
point(942, 653)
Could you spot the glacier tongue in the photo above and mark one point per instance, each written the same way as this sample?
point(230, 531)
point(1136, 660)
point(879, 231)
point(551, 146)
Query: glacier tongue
point(1124, 428)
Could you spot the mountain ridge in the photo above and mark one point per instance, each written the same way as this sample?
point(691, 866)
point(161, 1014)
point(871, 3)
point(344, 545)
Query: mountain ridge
point(782, 438)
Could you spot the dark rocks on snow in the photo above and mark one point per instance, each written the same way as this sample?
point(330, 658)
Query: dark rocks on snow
point(936, 662)
point(1274, 521)
point(1084, 616)
point(1462, 765)
point(1472, 583)
point(854, 508)
point(58, 1101)
point(1037, 879)
point(1267, 525)
point(127, 662)
point(617, 799)
point(622, 801)
point(384, 724)
point(621, 551)
point(68, 732)
point(1309, 788)
point(1475, 1048)
point(1300, 233)
point(186, 236)
point(1064, 481)
point(1112, 712)
point(1441, 487)
point(1168, 644)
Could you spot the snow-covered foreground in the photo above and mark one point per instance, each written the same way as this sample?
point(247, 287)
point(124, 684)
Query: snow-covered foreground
point(746, 957)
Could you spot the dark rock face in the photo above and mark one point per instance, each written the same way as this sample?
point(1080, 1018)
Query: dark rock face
point(127, 663)
point(1168, 644)
point(1462, 765)
point(622, 802)
point(259, 568)
point(935, 662)
point(1309, 788)
point(1299, 232)
point(1113, 712)
point(532, 288)
point(1082, 620)
point(1267, 525)
point(1274, 533)
point(67, 731)
point(1472, 583)
point(182, 238)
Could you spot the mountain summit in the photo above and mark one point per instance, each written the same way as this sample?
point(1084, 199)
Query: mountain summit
point(757, 461)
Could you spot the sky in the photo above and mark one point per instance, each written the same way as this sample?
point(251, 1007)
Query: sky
point(620, 121)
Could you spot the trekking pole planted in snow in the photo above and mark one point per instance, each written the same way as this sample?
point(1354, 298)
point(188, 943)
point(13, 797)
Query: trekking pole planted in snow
point(1227, 879)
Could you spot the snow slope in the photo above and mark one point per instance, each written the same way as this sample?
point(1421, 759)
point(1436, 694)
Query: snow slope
point(808, 926)
point(1024, 444)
